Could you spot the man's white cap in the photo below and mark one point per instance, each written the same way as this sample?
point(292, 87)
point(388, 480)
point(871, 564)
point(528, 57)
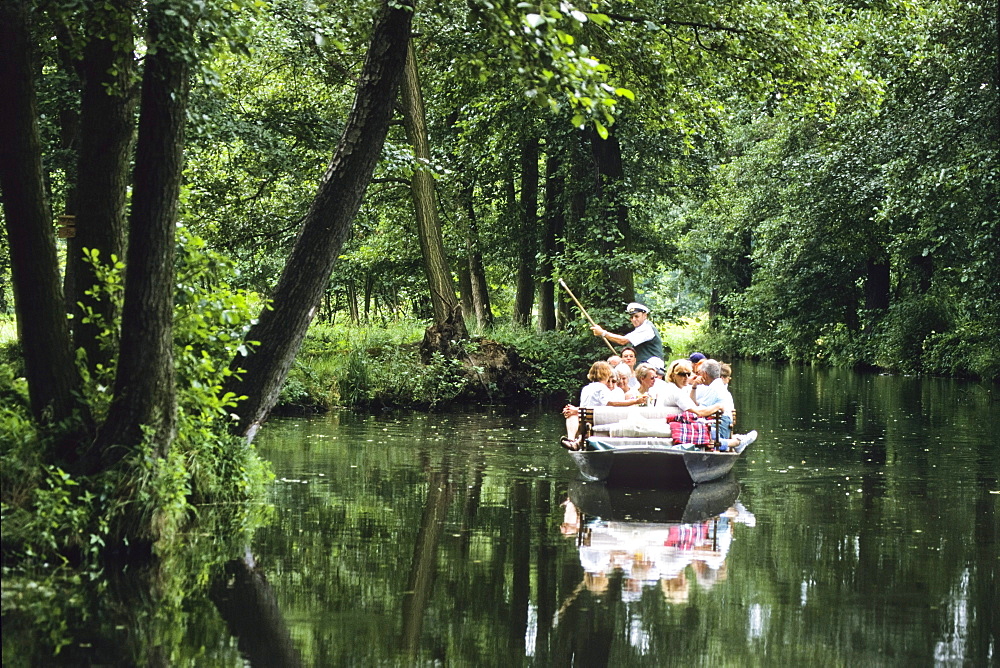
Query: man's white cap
point(636, 306)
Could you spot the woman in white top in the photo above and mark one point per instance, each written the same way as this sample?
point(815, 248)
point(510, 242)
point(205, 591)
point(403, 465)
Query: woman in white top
point(678, 393)
point(597, 393)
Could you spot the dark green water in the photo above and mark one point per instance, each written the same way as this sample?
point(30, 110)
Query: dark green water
point(865, 532)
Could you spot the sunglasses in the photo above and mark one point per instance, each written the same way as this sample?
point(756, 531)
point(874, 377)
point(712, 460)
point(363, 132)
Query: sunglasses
point(683, 373)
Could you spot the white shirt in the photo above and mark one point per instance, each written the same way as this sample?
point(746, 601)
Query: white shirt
point(641, 334)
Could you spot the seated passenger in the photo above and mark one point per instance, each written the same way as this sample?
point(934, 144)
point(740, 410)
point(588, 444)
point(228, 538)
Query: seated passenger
point(597, 393)
point(727, 376)
point(710, 389)
point(628, 359)
point(678, 392)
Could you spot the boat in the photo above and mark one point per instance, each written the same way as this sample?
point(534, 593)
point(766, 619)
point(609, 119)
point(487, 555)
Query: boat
point(632, 446)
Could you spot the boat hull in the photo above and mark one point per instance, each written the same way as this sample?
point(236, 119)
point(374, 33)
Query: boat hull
point(653, 466)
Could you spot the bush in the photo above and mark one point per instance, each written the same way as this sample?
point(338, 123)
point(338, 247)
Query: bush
point(968, 349)
point(899, 341)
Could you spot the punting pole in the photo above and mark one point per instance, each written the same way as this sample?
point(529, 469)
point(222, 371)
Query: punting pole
point(585, 314)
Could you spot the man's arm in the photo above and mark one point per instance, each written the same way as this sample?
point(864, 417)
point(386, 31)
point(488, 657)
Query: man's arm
point(613, 338)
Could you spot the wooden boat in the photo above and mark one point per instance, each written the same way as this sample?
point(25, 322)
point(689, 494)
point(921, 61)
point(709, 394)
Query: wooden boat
point(652, 459)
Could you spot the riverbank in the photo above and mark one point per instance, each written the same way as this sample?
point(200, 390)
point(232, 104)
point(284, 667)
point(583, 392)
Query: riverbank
point(382, 366)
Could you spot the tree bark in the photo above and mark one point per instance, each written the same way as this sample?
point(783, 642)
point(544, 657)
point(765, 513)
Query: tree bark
point(610, 175)
point(465, 287)
point(326, 225)
point(144, 393)
point(69, 140)
point(576, 210)
point(477, 270)
point(107, 106)
point(41, 317)
point(524, 299)
point(877, 285)
point(439, 279)
point(555, 222)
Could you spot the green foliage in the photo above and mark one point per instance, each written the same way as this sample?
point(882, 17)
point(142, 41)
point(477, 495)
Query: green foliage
point(968, 348)
point(210, 322)
point(907, 325)
point(110, 288)
point(559, 360)
point(361, 367)
point(48, 512)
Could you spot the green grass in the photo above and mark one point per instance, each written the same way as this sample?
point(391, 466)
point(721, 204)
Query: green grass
point(8, 330)
point(684, 338)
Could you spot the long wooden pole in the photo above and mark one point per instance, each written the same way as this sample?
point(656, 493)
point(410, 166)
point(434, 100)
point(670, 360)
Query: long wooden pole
point(585, 314)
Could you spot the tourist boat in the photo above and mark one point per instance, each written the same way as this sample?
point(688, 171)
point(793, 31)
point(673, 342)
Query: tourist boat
point(644, 457)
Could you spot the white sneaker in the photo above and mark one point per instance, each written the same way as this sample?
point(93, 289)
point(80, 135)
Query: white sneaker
point(745, 440)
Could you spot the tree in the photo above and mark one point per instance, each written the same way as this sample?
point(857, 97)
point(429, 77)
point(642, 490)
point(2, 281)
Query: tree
point(442, 287)
point(281, 328)
point(107, 107)
point(53, 381)
point(527, 232)
point(144, 404)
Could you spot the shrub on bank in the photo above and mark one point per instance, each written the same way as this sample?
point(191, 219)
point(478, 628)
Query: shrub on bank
point(361, 366)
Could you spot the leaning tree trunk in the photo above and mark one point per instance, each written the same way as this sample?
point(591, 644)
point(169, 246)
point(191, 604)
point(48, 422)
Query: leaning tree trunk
point(38, 298)
point(524, 298)
point(106, 110)
point(326, 225)
point(144, 393)
point(424, 199)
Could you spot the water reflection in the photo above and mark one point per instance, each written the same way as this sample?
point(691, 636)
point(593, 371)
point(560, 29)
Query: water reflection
point(248, 604)
point(668, 540)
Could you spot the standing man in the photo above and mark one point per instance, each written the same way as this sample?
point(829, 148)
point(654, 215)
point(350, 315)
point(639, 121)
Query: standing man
point(645, 338)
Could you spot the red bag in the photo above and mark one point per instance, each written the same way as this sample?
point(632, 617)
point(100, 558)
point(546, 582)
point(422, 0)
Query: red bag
point(689, 428)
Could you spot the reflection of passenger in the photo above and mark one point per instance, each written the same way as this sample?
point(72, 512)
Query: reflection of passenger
point(648, 554)
point(706, 576)
point(675, 589)
point(571, 519)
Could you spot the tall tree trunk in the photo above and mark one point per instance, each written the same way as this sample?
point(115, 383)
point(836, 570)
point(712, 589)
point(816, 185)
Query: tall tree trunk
point(877, 284)
point(524, 299)
point(477, 270)
point(555, 221)
point(106, 119)
point(69, 139)
point(38, 298)
point(576, 209)
point(144, 393)
point(439, 279)
point(326, 225)
point(465, 287)
point(610, 174)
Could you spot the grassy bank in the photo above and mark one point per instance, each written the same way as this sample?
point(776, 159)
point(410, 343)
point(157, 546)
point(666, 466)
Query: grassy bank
point(343, 365)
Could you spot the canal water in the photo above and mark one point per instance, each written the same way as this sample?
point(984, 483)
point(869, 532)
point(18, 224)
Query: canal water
point(860, 529)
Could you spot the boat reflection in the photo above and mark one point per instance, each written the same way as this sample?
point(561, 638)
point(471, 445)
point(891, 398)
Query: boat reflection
point(653, 538)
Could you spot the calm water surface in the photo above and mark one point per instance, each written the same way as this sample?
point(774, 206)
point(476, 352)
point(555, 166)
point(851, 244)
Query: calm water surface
point(864, 533)
point(861, 529)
